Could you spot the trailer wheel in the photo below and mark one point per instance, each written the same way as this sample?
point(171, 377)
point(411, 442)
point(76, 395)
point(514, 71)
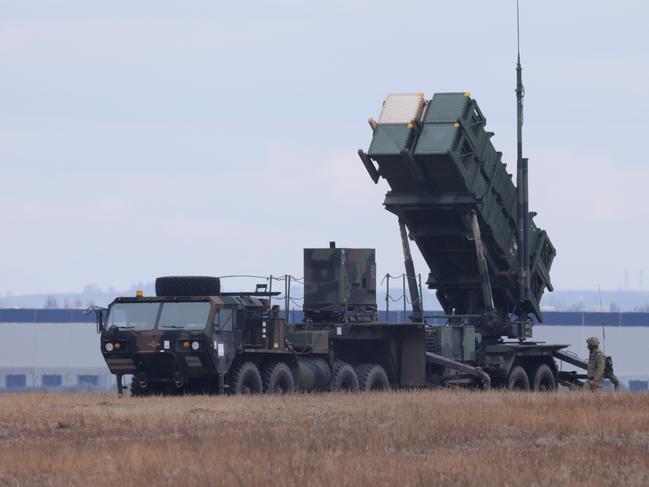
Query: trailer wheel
point(278, 379)
point(372, 377)
point(245, 379)
point(518, 380)
point(544, 380)
point(343, 378)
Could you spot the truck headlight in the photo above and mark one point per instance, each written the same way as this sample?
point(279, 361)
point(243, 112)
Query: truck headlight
point(108, 347)
point(195, 345)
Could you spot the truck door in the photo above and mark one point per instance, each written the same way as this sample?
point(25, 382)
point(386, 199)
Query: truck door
point(225, 336)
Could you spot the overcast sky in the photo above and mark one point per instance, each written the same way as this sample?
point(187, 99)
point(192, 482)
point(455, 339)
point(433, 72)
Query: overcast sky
point(147, 138)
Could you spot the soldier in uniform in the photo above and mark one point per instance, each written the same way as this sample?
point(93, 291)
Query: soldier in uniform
point(597, 370)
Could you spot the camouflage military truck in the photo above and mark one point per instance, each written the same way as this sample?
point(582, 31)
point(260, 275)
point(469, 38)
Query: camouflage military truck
point(191, 337)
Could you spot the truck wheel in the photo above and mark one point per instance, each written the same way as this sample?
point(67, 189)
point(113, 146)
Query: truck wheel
point(343, 378)
point(544, 380)
point(136, 387)
point(187, 286)
point(518, 380)
point(245, 379)
point(278, 379)
point(372, 377)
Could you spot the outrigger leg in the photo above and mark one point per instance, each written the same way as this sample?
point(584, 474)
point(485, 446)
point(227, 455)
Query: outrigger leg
point(120, 386)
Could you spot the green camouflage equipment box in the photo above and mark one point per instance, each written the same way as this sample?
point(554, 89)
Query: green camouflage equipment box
point(339, 285)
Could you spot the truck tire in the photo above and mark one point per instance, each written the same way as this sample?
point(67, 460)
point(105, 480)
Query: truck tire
point(518, 380)
point(137, 391)
point(343, 378)
point(136, 387)
point(544, 380)
point(187, 286)
point(245, 379)
point(372, 377)
point(278, 379)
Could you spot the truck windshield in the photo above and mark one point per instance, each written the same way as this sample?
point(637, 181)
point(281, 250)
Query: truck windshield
point(186, 316)
point(133, 316)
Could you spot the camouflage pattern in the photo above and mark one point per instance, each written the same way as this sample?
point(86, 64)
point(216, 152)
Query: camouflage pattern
point(340, 285)
point(596, 371)
point(441, 166)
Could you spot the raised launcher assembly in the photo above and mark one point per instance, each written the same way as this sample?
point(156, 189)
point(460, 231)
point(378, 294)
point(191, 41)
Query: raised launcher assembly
point(339, 285)
point(452, 191)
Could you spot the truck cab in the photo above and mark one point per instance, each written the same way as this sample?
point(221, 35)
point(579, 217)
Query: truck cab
point(177, 344)
point(197, 339)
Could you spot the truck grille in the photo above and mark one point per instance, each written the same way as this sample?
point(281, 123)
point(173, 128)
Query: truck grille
point(155, 365)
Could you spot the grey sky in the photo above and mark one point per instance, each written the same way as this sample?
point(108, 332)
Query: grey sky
point(148, 138)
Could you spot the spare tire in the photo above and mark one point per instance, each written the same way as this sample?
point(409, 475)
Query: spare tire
point(187, 286)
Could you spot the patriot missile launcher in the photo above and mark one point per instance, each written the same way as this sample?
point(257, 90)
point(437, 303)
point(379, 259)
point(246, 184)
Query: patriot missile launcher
point(451, 190)
point(489, 263)
point(489, 266)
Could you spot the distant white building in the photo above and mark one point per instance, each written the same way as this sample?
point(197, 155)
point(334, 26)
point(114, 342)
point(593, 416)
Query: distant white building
point(58, 349)
point(51, 350)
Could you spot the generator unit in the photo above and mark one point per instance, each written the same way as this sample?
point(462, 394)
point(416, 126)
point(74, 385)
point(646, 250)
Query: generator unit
point(339, 285)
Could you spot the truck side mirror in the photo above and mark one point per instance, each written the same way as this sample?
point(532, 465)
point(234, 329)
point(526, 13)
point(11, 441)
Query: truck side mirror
point(99, 316)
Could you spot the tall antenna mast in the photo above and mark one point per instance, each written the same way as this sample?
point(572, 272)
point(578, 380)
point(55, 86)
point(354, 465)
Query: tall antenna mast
point(521, 180)
point(601, 310)
point(518, 35)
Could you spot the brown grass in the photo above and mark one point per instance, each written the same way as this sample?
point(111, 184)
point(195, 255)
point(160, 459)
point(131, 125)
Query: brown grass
point(413, 438)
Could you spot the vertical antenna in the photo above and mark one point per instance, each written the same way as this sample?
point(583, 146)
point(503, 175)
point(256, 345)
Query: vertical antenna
point(601, 310)
point(518, 34)
point(521, 180)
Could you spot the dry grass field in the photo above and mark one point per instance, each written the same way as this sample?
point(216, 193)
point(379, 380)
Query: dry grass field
point(400, 439)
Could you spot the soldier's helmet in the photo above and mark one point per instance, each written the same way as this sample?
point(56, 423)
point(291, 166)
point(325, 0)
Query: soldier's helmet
point(593, 342)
